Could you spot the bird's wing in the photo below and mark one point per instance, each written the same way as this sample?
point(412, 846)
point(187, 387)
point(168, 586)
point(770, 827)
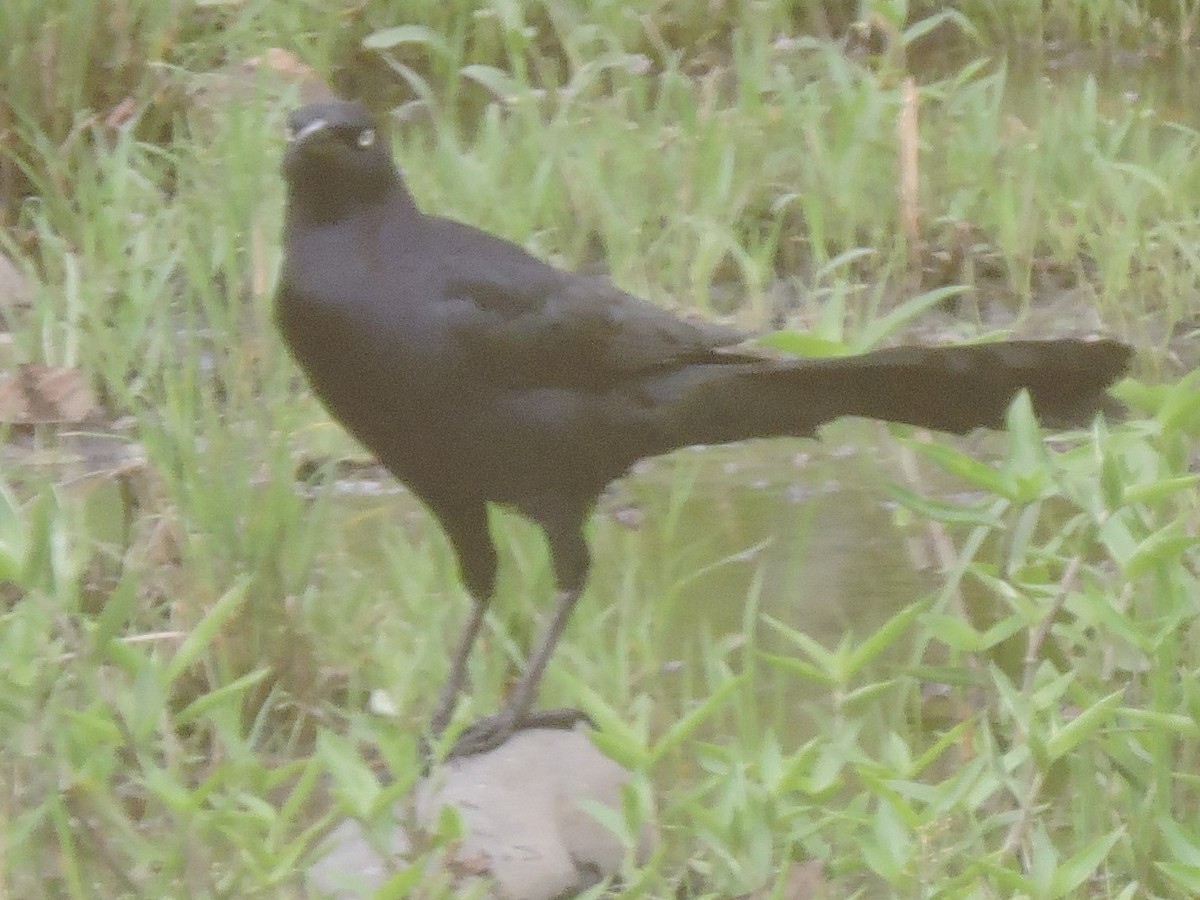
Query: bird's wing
point(542, 326)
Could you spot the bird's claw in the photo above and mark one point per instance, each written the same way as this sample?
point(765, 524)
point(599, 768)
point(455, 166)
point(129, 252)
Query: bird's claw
point(490, 732)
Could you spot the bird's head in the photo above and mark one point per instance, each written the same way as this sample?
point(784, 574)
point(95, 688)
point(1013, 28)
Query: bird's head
point(335, 159)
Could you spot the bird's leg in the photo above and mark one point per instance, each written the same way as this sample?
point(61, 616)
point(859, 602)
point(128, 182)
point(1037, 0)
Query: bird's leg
point(491, 732)
point(524, 695)
point(444, 708)
point(466, 527)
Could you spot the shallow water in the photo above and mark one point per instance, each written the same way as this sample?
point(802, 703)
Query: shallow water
point(703, 541)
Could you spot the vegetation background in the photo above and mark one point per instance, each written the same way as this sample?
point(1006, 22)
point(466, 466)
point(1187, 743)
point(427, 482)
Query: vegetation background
point(220, 629)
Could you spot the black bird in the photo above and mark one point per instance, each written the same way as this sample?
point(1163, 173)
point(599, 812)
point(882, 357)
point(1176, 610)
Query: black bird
point(479, 374)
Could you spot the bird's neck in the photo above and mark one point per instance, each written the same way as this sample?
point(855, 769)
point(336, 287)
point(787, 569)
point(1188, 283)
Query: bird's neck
point(325, 201)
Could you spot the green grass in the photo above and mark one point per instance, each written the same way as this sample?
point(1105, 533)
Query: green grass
point(198, 656)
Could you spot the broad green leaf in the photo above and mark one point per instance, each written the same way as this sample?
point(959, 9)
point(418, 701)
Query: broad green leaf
point(201, 636)
point(884, 326)
point(803, 344)
point(869, 648)
point(965, 466)
point(1072, 873)
point(686, 726)
point(226, 693)
point(1157, 491)
point(1166, 545)
point(502, 85)
point(980, 513)
point(353, 779)
point(1083, 726)
point(422, 35)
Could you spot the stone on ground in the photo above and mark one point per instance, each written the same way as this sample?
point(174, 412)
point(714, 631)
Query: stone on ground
point(526, 828)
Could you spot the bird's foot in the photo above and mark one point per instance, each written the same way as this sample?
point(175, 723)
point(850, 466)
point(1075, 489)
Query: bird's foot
point(490, 732)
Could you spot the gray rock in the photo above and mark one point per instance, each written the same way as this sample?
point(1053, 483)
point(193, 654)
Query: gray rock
point(524, 826)
point(352, 866)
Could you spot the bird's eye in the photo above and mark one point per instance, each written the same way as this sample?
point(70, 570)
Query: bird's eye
point(366, 138)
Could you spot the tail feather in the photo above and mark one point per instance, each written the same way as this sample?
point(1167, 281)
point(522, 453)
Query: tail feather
point(955, 389)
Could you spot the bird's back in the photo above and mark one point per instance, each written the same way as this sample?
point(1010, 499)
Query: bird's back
point(476, 372)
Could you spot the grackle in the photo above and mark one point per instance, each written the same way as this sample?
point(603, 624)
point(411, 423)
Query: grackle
point(479, 374)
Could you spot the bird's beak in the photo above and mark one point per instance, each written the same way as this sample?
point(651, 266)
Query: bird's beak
point(308, 130)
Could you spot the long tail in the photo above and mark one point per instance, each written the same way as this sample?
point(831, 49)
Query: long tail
point(954, 389)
